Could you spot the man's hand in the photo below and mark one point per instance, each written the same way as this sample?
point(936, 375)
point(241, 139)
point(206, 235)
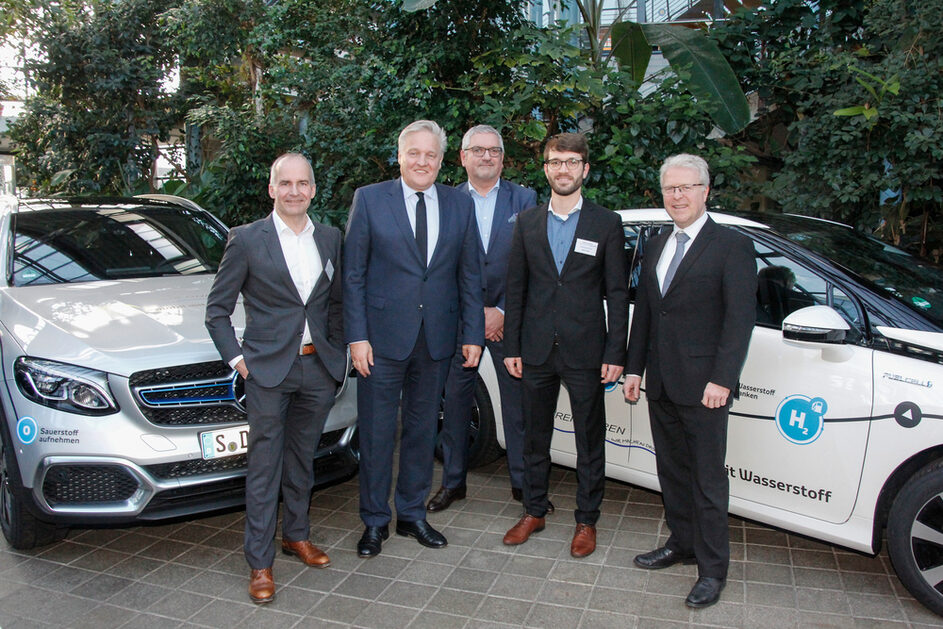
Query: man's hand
point(494, 324)
point(514, 366)
point(242, 369)
point(472, 354)
point(715, 395)
point(361, 354)
point(611, 373)
point(632, 388)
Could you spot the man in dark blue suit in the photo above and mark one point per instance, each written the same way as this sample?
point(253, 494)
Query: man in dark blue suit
point(411, 277)
point(497, 204)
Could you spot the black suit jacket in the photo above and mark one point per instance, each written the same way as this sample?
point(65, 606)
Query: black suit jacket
point(540, 302)
point(699, 332)
point(253, 264)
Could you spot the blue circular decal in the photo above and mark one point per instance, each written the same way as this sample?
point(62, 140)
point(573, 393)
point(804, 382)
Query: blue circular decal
point(799, 418)
point(611, 386)
point(26, 430)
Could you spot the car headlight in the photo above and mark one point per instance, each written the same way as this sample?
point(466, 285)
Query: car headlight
point(64, 387)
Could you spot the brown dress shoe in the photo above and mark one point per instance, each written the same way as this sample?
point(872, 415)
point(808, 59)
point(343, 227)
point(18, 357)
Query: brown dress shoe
point(307, 552)
point(261, 586)
point(521, 531)
point(584, 540)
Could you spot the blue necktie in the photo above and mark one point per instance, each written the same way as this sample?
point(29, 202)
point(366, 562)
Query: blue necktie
point(675, 261)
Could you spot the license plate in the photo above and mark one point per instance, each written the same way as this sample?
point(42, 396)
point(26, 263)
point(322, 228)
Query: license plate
point(218, 444)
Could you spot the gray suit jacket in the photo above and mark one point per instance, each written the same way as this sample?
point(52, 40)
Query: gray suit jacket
point(254, 265)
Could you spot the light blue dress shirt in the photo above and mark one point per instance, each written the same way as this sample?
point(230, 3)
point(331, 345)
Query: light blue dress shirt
point(484, 211)
point(561, 231)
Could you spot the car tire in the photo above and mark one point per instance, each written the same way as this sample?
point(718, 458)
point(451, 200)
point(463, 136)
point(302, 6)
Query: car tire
point(915, 536)
point(21, 528)
point(483, 446)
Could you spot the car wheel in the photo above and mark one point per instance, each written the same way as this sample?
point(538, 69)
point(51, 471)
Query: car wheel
point(20, 528)
point(483, 446)
point(915, 536)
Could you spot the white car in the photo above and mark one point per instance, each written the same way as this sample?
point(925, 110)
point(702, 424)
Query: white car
point(115, 405)
point(838, 430)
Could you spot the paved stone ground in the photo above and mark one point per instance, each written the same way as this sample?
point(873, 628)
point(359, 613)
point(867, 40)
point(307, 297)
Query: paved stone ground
point(192, 574)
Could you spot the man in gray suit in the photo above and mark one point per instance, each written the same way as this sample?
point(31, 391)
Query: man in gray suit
point(292, 357)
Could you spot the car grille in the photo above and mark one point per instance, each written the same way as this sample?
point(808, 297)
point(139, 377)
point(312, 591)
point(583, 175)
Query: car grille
point(75, 484)
point(189, 395)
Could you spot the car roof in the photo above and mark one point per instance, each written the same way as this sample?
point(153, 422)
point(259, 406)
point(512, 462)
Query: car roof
point(659, 215)
point(10, 204)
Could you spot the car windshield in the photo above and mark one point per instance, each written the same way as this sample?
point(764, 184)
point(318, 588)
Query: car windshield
point(915, 282)
point(109, 242)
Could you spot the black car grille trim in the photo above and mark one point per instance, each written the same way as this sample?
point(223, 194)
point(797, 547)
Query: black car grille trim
point(82, 484)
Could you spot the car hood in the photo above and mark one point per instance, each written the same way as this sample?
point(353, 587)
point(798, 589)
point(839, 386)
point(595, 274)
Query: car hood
point(116, 326)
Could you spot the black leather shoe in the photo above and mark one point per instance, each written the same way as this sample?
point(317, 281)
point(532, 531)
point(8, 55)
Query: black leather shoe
point(662, 558)
point(372, 541)
point(705, 592)
point(444, 497)
point(424, 534)
point(518, 494)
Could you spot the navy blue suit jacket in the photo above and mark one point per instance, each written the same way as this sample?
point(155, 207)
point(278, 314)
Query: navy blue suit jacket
point(512, 199)
point(388, 291)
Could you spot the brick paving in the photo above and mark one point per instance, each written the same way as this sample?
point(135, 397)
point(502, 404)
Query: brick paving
point(192, 574)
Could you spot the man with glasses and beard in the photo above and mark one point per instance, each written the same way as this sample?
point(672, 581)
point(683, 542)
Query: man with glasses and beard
point(566, 317)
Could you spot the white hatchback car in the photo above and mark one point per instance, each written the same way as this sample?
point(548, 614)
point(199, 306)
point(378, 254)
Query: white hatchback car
point(837, 432)
point(115, 405)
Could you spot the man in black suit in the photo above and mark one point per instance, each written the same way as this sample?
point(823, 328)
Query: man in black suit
point(565, 320)
point(292, 357)
point(497, 204)
point(691, 328)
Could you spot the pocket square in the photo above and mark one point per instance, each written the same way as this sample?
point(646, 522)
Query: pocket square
point(513, 218)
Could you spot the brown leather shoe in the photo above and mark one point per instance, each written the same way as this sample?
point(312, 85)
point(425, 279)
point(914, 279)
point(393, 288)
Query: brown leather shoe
point(584, 540)
point(521, 531)
point(261, 586)
point(307, 552)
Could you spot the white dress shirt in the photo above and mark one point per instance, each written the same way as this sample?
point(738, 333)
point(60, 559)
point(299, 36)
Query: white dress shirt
point(668, 252)
point(432, 215)
point(484, 211)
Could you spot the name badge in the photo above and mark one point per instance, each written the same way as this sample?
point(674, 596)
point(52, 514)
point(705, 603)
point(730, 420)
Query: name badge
point(586, 247)
point(329, 271)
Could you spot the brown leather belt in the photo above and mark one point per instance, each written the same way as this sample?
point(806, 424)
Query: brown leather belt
point(307, 350)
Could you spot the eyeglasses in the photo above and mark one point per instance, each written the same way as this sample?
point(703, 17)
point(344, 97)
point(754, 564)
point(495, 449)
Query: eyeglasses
point(686, 188)
point(479, 151)
point(556, 164)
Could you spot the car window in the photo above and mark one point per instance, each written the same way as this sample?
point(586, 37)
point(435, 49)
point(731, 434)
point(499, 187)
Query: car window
point(784, 286)
point(108, 242)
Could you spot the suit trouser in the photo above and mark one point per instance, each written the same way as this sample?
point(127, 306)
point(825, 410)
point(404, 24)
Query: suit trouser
point(691, 446)
point(285, 424)
point(541, 386)
point(459, 397)
point(420, 380)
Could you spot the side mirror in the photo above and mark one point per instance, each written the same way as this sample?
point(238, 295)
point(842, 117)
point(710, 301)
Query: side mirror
point(815, 324)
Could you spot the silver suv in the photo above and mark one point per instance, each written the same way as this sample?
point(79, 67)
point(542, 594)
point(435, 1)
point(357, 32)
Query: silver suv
point(115, 405)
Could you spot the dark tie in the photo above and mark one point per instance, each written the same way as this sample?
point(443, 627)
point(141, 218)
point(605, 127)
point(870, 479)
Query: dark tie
point(675, 261)
point(421, 230)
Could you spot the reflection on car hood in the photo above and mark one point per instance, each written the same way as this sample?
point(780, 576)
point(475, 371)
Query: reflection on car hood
point(931, 340)
point(119, 327)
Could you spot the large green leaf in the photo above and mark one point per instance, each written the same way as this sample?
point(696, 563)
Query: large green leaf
point(711, 76)
point(631, 48)
point(417, 5)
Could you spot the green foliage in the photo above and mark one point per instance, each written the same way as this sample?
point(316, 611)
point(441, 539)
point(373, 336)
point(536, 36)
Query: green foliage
point(337, 81)
point(100, 107)
point(853, 93)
